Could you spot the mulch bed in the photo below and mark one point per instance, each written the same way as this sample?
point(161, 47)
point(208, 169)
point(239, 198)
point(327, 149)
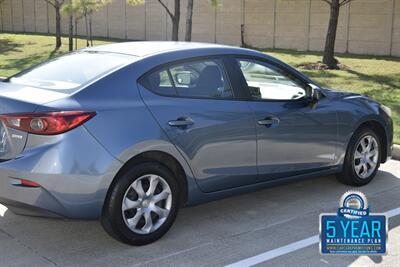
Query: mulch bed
point(321, 66)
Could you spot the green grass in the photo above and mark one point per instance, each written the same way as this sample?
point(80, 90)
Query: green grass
point(378, 77)
point(20, 51)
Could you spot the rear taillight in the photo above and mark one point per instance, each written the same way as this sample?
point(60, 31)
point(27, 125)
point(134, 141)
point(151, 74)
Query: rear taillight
point(49, 123)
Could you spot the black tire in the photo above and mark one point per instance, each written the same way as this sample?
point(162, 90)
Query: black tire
point(112, 219)
point(348, 175)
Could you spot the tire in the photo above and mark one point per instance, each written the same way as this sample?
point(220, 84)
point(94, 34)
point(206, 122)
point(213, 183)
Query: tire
point(352, 173)
point(115, 221)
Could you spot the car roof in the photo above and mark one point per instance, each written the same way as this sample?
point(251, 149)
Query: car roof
point(143, 49)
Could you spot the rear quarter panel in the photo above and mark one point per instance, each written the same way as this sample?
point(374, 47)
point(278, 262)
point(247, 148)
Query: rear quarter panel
point(123, 124)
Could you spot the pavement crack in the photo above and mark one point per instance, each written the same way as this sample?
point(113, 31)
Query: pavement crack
point(174, 254)
point(28, 247)
point(50, 261)
point(7, 234)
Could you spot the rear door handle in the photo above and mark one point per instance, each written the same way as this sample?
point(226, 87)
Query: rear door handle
point(270, 121)
point(181, 122)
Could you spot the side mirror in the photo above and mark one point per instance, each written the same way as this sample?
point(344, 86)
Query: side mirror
point(312, 93)
point(183, 78)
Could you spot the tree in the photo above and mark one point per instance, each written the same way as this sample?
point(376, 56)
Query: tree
point(329, 51)
point(189, 16)
point(1, 13)
point(69, 11)
point(79, 9)
point(175, 17)
point(57, 4)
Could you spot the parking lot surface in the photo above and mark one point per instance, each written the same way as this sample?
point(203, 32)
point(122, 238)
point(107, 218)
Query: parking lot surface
point(219, 233)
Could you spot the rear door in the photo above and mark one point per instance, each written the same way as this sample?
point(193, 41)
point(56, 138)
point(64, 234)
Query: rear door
point(293, 137)
point(196, 105)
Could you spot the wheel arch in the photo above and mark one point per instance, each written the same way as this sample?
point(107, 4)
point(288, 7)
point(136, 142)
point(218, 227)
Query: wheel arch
point(380, 130)
point(160, 157)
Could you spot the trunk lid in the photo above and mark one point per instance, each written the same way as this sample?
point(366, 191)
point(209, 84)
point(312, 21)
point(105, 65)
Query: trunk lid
point(15, 98)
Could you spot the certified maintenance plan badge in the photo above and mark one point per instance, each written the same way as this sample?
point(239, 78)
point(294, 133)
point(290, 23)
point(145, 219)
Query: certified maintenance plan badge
point(353, 230)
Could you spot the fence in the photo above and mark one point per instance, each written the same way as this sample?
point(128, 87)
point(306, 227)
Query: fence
point(365, 26)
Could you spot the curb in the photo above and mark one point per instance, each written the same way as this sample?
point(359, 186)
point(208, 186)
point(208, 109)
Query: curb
point(396, 152)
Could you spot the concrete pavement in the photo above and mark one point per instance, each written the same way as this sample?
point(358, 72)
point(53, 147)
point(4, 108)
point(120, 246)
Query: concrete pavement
point(213, 234)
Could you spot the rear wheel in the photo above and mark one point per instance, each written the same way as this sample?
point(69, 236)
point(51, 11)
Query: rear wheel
point(362, 159)
point(142, 205)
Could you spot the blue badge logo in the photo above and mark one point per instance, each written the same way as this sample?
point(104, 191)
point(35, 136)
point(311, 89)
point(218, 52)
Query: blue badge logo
point(353, 205)
point(353, 230)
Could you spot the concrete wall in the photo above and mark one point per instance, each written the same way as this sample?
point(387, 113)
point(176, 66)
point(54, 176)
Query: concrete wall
point(365, 26)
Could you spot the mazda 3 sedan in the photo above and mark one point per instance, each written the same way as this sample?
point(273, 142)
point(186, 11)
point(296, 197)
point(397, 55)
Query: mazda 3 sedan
point(131, 132)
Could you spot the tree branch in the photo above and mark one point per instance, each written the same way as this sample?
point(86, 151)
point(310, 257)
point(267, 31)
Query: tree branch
point(53, 3)
point(328, 2)
point(167, 9)
point(50, 3)
point(345, 2)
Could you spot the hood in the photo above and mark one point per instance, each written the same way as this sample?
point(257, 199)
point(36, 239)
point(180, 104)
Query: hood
point(344, 95)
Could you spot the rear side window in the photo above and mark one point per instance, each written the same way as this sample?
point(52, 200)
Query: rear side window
point(71, 71)
point(198, 79)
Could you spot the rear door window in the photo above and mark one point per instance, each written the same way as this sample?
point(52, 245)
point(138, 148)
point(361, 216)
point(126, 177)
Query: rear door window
point(193, 79)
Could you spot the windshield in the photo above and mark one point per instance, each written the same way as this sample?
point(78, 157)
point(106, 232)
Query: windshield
point(69, 72)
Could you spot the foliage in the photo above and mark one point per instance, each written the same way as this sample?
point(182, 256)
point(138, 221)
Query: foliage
point(215, 3)
point(82, 7)
point(135, 2)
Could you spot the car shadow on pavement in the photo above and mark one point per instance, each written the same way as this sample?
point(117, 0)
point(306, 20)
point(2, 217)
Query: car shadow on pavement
point(83, 243)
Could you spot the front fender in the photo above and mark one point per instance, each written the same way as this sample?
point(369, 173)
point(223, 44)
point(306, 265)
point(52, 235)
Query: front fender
point(354, 112)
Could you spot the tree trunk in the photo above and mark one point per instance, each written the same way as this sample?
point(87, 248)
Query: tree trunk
point(87, 29)
point(58, 25)
point(76, 33)
point(71, 33)
point(1, 16)
point(189, 16)
point(175, 21)
point(329, 52)
point(90, 30)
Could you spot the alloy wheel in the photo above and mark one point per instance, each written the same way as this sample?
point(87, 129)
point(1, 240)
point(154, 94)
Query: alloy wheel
point(146, 204)
point(366, 156)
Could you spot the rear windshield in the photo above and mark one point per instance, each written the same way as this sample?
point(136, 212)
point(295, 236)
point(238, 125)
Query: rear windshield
point(67, 73)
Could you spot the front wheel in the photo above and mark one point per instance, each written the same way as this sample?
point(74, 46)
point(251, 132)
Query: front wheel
point(142, 205)
point(362, 159)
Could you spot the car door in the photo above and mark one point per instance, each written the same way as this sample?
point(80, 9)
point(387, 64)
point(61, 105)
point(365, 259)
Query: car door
point(197, 107)
point(293, 137)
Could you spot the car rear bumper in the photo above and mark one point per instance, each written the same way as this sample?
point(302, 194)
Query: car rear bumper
point(73, 170)
point(28, 210)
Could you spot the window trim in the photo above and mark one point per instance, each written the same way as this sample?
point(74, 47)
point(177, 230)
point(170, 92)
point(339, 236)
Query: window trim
point(168, 65)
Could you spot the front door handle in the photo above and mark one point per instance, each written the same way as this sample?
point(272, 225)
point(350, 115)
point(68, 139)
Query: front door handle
point(270, 121)
point(181, 122)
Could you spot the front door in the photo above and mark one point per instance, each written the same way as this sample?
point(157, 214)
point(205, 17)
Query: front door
point(196, 106)
point(292, 136)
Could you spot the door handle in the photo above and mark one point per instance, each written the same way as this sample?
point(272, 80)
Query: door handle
point(270, 121)
point(181, 122)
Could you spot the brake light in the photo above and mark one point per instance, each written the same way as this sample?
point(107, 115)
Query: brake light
point(49, 123)
point(27, 183)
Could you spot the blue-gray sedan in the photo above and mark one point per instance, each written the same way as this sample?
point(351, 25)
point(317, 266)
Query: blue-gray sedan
point(131, 132)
